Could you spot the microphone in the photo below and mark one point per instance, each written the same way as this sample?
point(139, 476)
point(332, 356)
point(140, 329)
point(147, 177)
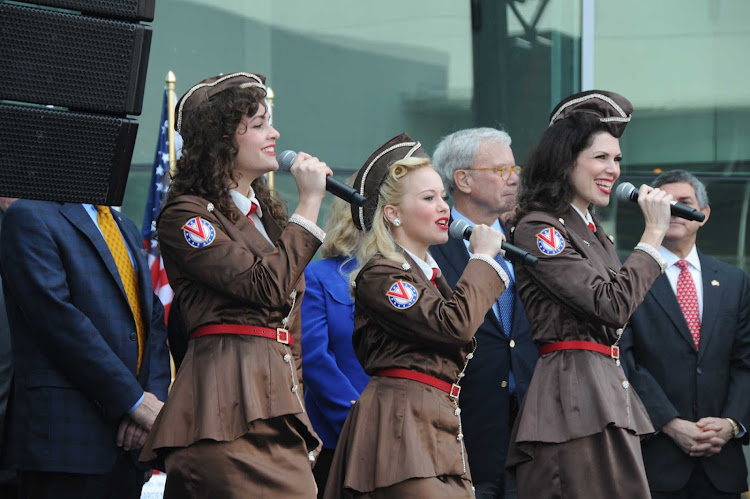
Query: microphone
point(335, 187)
point(460, 229)
point(627, 192)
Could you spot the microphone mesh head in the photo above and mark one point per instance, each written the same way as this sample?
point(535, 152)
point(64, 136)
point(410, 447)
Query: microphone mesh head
point(285, 159)
point(457, 228)
point(624, 191)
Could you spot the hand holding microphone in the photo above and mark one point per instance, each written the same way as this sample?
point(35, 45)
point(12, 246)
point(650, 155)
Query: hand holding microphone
point(460, 229)
point(335, 187)
point(627, 192)
point(484, 240)
point(309, 175)
point(656, 206)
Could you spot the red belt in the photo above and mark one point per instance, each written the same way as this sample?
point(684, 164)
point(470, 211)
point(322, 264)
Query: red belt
point(451, 389)
point(613, 351)
point(279, 334)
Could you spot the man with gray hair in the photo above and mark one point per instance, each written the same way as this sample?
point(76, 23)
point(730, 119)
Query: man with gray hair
point(480, 173)
point(687, 354)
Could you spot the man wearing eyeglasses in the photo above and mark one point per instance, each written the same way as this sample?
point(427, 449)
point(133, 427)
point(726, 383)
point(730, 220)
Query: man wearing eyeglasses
point(479, 171)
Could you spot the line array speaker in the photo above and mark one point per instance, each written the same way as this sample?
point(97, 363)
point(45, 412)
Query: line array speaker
point(64, 156)
point(134, 10)
point(74, 61)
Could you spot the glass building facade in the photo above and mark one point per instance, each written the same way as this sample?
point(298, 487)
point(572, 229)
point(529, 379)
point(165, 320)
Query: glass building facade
point(347, 76)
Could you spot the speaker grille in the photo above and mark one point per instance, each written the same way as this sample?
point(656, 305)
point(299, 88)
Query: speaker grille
point(137, 10)
point(69, 60)
point(62, 156)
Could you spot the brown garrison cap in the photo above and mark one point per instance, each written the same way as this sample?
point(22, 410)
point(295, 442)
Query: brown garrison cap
point(372, 174)
point(205, 89)
point(612, 109)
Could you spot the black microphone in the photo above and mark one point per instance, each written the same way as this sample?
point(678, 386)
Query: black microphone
point(627, 192)
point(335, 187)
point(460, 229)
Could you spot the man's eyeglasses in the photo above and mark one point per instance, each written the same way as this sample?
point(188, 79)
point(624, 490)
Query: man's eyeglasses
point(504, 171)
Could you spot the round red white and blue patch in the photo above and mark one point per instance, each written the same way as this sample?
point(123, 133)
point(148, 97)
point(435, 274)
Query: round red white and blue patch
point(198, 232)
point(402, 295)
point(550, 242)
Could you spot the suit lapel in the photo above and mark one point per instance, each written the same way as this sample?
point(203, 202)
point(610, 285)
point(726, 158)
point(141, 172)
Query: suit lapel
point(455, 253)
point(80, 219)
point(666, 298)
point(711, 301)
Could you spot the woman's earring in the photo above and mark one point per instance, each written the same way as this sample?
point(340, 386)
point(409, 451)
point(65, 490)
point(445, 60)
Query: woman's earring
point(396, 222)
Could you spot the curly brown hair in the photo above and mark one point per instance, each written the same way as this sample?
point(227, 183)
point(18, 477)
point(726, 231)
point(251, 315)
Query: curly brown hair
point(207, 168)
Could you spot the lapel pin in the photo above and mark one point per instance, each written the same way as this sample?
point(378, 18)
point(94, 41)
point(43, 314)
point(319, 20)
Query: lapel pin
point(561, 221)
point(611, 239)
point(714, 283)
point(586, 242)
point(405, 266)
point(210, 207)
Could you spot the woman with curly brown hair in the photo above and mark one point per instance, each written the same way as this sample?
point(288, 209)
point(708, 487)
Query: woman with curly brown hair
point(234, 424)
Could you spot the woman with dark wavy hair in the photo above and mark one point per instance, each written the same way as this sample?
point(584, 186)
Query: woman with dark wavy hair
point(578, 432)
point(234, 424)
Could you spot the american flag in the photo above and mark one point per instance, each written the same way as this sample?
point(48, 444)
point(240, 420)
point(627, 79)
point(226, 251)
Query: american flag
point(156, 194)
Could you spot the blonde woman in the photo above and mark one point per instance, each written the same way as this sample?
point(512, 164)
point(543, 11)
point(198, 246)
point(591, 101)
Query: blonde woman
point(403, 437)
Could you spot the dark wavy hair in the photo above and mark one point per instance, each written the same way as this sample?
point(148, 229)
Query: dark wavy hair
point(206, 168)
point(545, 180)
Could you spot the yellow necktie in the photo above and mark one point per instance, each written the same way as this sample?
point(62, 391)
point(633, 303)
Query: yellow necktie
point(119, 252)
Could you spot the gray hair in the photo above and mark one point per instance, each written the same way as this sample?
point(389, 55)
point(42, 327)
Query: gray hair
point(675, 176)
point(458, 150)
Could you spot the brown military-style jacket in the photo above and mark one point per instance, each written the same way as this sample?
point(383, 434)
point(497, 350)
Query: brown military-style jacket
point(579, 291)
point(401, 429)
point(228, 273)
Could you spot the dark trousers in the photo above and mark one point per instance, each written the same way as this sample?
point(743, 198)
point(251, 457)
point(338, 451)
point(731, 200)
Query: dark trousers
point(699, 486)
point(123, 482)
point(321, 469)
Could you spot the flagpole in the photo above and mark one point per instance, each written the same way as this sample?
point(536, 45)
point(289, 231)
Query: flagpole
point(270, 96)
point(171, 84)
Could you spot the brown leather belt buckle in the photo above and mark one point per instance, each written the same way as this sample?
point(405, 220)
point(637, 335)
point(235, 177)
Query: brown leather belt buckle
point(282, 335)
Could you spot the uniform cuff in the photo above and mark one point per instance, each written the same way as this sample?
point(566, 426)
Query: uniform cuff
point(309, 226)
point(496, 266)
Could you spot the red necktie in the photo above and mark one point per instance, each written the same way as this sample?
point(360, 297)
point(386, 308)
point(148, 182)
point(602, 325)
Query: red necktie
point(592, 227)
point(434, 276)
point(253, 209)
point(687, 297)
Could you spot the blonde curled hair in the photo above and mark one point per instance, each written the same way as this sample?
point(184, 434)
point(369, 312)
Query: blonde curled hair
point(343, 238)
point(379, 240)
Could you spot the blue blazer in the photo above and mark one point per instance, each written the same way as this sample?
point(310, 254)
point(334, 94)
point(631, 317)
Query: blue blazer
point(485, 403)
point(74, 341)
point(333, 376)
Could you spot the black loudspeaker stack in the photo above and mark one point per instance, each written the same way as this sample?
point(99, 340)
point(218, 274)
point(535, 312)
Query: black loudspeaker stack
point(71, 71)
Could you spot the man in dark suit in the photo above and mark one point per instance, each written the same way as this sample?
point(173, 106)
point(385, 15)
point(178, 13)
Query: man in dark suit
point(687, 353)
point(89, 349)
point(479, 171)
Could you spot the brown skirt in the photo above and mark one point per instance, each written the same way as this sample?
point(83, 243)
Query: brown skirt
point(418, 488)
point(606, 464)
point(270, 461)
